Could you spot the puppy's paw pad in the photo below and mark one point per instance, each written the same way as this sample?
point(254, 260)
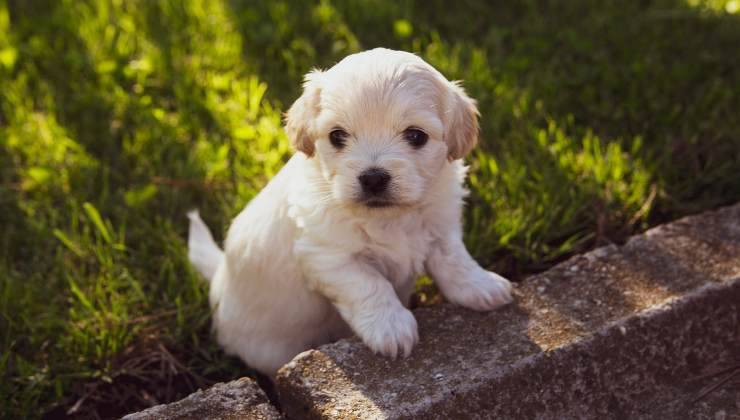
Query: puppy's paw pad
point(483, 291)
point(392, 334)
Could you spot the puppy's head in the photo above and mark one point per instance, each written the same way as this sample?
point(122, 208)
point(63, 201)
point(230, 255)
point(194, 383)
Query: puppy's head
point(381, 125)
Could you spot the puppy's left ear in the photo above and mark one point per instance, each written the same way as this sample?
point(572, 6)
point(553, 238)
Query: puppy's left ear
point(300, 117)
point(461, 122)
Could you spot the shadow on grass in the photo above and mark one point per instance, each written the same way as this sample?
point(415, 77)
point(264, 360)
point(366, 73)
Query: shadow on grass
point(662, 71)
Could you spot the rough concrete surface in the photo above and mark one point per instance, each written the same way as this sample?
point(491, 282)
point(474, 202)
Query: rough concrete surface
point(240, 399)
point(620, 332)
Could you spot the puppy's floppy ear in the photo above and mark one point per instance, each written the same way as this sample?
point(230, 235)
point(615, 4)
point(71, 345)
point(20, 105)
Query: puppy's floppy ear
point(300, 117)
point(461, 122)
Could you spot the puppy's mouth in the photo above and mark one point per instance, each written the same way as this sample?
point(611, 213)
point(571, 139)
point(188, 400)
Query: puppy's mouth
point(375, 203)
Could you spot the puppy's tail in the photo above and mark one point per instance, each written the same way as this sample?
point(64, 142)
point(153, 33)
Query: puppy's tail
point(203, 251)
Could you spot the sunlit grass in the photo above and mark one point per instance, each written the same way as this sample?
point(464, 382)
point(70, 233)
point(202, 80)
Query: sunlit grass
point(116, 117)
point(726, 6)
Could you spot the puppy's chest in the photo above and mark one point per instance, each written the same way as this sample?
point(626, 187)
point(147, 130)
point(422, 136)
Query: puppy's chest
point(396, 249)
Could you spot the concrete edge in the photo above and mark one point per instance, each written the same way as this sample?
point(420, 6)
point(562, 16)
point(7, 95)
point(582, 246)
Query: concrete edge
point(238, 399)
point(615, 373)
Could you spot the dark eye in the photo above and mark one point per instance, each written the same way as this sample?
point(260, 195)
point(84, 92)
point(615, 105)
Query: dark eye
point(338, 138)
point(415, 137)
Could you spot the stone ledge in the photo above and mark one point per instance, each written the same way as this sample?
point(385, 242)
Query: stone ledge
point(612, 333)
point(240, 399)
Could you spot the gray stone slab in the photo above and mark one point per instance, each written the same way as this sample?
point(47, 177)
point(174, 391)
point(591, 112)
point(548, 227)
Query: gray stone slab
point(240, 399)
point(600, 335)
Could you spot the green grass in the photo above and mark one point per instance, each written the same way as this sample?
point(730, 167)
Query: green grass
point(116, 117)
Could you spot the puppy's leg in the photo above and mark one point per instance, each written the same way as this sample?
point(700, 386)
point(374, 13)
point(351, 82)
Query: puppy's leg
point(365, 300)
point(461, 280)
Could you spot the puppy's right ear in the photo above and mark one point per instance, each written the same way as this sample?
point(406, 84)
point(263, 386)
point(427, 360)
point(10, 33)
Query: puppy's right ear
point(462, 122)
point(300, 117)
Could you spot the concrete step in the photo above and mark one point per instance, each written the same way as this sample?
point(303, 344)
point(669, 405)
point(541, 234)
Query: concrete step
point(620, 332)
point(240, 399)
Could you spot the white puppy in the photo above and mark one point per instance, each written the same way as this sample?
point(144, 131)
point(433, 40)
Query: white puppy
point(373, 198)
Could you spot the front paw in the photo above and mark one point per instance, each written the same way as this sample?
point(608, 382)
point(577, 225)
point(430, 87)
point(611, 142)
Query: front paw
point(481, 291)
point(391, 332)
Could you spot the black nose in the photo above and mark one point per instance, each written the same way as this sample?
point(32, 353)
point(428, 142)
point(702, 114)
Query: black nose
point(374, 180)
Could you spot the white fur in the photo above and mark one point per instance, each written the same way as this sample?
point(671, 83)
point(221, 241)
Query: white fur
point(306, 262)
